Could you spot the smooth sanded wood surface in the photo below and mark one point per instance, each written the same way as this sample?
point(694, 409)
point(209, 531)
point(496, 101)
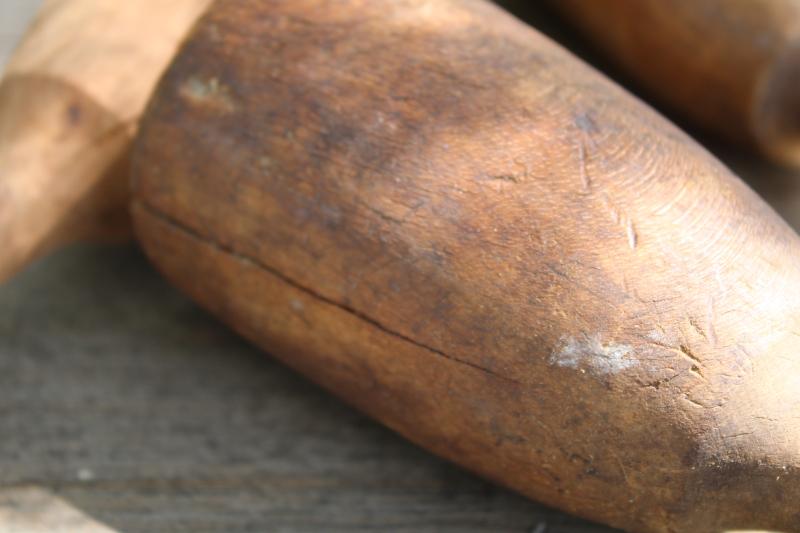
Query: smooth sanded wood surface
point(125, 401)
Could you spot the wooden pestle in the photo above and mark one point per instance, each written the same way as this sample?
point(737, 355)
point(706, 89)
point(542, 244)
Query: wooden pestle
point(70, 103)
point(452, 223)
point(730, 66)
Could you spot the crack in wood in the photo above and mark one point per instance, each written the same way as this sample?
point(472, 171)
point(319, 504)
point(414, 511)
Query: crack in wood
point(166, 219)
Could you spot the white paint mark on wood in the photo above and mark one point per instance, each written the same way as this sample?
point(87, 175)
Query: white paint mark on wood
point(590, 352)
point(85, 474)
point(659, 336)
point(208, 92)
point(541, 527)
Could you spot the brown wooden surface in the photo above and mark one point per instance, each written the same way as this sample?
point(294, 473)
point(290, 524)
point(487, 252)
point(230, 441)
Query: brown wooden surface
point(441, 216)
point(70, 99)
point(730, 66)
